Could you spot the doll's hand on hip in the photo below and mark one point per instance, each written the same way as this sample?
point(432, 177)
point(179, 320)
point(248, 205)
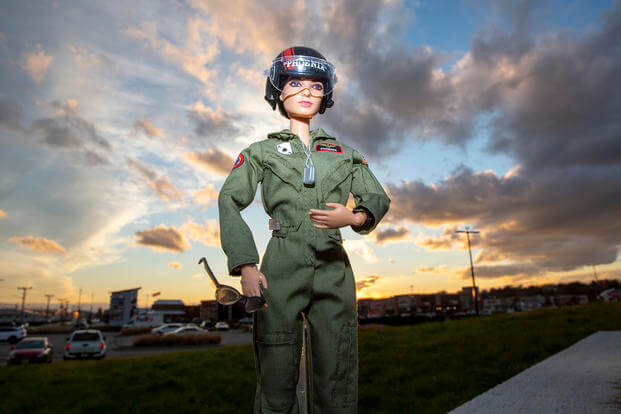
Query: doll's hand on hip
point(339, 216)
point(251, 279)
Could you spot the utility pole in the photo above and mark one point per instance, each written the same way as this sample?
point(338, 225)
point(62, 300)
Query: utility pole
point(90, 312)
point(79, 303)
point(24, 289)
point(62, 309)
point(474, 286)
point(47, 310)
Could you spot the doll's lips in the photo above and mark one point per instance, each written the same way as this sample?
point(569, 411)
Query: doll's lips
point(305, 103)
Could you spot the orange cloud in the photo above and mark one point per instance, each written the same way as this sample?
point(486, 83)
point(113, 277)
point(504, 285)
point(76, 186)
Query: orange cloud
point(146, 126)
point(36, 64)
point(166, 190)
point(39, 244)
point(163, 238)
point(206, 196)
point(175, 265)
point(192, 57)
point(209, 234)
point(213, 160)
point(2, 214)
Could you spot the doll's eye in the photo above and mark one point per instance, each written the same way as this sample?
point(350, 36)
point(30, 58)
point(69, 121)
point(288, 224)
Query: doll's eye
point(317, 86)
point(295, 84)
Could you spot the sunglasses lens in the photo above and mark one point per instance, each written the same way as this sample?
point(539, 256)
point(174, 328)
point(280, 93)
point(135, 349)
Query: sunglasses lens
point(227, 295)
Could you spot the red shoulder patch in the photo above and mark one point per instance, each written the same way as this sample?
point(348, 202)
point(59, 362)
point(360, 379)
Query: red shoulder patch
point(239, 161)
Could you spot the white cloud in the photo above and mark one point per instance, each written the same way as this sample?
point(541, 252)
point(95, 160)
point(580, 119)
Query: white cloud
point(362, 249)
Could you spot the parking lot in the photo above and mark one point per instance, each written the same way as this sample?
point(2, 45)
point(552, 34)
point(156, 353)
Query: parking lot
point(121, 345)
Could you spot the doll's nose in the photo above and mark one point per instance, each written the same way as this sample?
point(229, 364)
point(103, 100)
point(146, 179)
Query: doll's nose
point(306, 92)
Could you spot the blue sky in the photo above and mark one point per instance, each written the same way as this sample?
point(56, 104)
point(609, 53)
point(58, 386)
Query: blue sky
point(119, 122)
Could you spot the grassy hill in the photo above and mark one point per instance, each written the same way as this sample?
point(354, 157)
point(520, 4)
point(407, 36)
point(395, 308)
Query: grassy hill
point(429, 368)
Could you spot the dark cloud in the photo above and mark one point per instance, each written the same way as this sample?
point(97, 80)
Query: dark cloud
point(563, 109)
point(555, 219)
point(556, 99)
point(516, 271)
point(163, 238)
point(367, 282)
point(68, 130)
point(383, 235)
point(214, 124)
point(11, 114)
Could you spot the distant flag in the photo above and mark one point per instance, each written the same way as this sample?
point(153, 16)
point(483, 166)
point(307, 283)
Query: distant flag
point(156, 294)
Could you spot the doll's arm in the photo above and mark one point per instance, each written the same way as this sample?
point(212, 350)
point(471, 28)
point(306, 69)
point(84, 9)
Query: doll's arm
point(236, 194)
point(368, 194)
point(337, 216)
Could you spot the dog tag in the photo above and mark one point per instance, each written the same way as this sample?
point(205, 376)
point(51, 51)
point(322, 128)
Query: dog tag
point(309, 175)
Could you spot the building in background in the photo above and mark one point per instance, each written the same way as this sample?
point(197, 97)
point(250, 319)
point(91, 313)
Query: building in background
point(123, 306)
point(168, 310)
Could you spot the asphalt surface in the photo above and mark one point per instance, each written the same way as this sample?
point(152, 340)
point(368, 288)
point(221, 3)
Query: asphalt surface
point(580, 379)
point(121, 345)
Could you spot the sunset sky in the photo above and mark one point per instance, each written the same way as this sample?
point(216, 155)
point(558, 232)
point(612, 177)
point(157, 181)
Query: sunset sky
point(119, 122)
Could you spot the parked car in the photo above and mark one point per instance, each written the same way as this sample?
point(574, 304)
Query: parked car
point(245, 321)
point(167, 327)
point(30, 350)
point(12, 334)
point(208, 325)
point(222, 326)
point(186, 330)
point(89, 343)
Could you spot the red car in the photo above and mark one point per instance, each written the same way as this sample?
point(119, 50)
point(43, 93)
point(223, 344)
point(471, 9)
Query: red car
point(30, 350)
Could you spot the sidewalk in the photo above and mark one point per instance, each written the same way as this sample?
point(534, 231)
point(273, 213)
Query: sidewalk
point(580, 379)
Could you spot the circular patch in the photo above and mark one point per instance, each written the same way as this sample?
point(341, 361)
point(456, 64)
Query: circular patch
point(239, 161)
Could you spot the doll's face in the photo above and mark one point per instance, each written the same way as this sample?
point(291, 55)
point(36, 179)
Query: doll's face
point(302, 97)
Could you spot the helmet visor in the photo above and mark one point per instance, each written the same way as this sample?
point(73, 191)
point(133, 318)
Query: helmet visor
point(301, 67)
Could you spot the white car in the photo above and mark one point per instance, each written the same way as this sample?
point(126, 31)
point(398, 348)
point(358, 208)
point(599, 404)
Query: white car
point(12, 334)
point(186, 330)
point(222, 326)
point(88, 343)
point(167, 327)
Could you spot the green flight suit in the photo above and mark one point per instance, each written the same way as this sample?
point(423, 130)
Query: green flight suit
point(307, 268)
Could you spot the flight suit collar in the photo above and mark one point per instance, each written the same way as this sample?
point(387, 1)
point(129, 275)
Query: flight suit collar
point(287, 135)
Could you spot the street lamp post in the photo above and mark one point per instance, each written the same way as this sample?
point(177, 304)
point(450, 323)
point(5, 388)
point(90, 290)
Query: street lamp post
point(474, 286)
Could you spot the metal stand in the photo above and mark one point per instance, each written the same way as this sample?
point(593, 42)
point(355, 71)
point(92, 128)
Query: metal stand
point(303, 382)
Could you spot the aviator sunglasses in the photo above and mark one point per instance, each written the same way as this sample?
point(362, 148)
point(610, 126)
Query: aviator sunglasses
point(228, 295)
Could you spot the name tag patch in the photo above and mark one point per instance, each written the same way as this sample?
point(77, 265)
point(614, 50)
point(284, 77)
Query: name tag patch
point(328, 147)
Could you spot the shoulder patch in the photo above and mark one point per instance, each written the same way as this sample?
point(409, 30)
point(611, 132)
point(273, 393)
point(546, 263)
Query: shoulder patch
point(328, 147)
point(239, 161)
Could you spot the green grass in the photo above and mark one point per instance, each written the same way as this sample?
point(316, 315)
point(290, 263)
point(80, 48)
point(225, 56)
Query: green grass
point(429, 368)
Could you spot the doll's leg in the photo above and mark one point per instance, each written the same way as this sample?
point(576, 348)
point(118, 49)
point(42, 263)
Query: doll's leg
point(277, 330)
point(333, 330)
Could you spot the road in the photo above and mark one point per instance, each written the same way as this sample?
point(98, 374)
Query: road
point(121, 345)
